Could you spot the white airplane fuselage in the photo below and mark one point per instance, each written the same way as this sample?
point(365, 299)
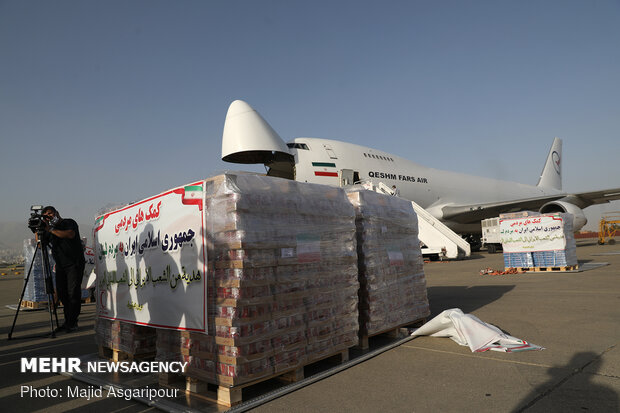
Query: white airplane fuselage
point(459, 200)
point(431, 188)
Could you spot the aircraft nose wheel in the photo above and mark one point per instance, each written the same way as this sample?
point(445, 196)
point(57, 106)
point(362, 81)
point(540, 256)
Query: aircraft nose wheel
point(474, 242)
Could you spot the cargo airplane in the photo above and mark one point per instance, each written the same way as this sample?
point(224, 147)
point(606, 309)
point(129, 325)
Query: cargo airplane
point(448, 196)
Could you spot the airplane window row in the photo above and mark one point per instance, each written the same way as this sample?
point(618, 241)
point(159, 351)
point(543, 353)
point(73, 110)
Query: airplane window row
point(384, 158)
point(298, 146)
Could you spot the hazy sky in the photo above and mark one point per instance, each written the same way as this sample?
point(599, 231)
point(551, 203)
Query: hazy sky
point(107, 102)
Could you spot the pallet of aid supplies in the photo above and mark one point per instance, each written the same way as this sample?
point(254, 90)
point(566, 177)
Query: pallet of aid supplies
point(33, 304)
point(567, 268)
point(117, 355)
point(393, 332)
point(229, 391)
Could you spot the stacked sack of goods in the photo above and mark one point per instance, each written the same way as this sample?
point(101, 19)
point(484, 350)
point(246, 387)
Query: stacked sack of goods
point(531, 239)
point(35, 289)
point(282, 273)
point(392, 282)
point(566, 252)
point(130, 338)
point(196, 349)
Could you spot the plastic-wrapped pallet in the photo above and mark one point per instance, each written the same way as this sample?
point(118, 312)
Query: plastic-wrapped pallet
point(542, 240)
point(282, 276)
point(391, 274)
point(518, 259)
point(196, 349)
point(35, 289)
point(567, 254)
point(130, 338)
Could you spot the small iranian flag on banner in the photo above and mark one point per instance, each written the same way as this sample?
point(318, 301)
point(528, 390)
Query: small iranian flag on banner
point(192, 195)
point(99, 223)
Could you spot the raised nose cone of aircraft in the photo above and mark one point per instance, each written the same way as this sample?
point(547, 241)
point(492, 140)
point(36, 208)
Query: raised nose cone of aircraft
point(248, 138)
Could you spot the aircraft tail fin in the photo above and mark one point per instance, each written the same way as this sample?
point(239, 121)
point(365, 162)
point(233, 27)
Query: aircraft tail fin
point(551, 176)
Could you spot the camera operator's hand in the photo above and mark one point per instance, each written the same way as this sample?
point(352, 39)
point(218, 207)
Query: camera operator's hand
point(47, 217)
point(51, 219)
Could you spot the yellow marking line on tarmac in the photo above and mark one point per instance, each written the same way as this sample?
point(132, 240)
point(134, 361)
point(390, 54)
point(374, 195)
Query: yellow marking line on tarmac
point(478, 356)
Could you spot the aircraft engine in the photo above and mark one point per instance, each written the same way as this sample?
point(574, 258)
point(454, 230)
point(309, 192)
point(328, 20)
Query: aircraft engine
point(579, 218)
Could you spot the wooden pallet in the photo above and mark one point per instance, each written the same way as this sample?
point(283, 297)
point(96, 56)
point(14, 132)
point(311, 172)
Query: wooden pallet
point(116, 355)
point(390, 332)
point(548, 269)
point(229, 395)
point(34, 304)
point(39, 304)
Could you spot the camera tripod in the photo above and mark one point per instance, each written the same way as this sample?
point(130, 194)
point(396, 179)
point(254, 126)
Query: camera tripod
point(49, 287)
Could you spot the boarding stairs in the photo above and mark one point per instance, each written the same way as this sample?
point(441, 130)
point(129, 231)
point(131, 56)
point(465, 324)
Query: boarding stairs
point(439, 240)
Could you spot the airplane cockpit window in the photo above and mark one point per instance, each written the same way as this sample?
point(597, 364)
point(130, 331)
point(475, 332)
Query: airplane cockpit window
point(298, 146)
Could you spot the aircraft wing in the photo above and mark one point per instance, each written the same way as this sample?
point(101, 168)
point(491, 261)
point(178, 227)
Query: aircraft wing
point(467, 214)
point(597, 197)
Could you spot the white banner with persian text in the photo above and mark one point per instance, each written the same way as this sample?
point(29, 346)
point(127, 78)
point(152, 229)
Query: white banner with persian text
point(151, 261)
point(542, 233)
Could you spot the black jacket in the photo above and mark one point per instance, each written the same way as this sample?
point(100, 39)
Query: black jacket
point(67, 251)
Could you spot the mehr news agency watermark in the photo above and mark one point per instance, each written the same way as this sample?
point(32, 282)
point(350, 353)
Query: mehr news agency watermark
point(73, 365)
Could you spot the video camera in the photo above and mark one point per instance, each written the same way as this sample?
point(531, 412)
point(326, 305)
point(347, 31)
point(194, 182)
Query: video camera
point(36, 222)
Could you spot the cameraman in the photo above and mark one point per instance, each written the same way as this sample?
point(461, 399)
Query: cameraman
point(68, 252)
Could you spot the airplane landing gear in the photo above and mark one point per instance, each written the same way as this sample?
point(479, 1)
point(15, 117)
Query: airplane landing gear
point(474, 241)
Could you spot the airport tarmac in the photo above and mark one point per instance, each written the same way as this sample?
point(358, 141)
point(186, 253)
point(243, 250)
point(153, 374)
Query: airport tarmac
point(574, 315)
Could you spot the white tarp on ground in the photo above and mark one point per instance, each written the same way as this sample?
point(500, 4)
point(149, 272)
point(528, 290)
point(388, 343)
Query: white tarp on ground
point(469, 330)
